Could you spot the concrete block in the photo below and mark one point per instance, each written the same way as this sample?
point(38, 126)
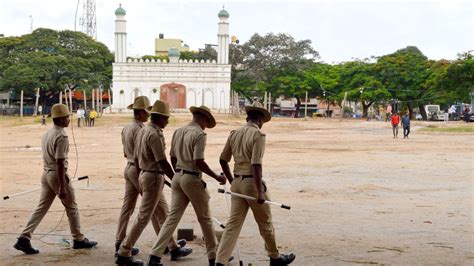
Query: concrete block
point(186, 231)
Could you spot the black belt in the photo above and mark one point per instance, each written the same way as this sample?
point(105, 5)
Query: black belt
point(243, 176)
point(154, 171)
point(53, 170)
point(188, 172)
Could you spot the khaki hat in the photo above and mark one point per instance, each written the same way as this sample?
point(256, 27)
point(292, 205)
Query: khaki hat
point(256, 106)
point(59, 110)
point(205, 111)
point(140, 103)
point(159, 107)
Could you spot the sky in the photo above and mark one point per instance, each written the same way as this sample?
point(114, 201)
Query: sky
point(340, 30)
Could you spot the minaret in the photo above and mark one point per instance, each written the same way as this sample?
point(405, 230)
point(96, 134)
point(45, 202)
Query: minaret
point(223, 38)
point(120, 36)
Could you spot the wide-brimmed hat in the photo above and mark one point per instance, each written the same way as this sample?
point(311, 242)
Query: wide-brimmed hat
point(257, 106)
point(205, 111)
point(159, 107)
point(140, 103)
point(59, 110)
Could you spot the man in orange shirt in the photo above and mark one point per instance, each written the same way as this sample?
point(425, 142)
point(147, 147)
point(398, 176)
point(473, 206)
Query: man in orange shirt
point(395, 120)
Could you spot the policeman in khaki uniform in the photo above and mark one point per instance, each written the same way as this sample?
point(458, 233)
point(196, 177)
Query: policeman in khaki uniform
point(150, 158)
point(187, 157)
point(132, 189)
point(55, 181)
point(247, 145)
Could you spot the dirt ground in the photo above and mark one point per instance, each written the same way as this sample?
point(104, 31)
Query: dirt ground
point(357, 195)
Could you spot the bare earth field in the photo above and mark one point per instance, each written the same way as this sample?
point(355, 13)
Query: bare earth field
point(358, 196)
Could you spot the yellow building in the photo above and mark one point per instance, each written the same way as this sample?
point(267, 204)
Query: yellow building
point(162, 45)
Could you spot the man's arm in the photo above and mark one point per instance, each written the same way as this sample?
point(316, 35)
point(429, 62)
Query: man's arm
point(166, 168)
point(257, 177)
point(61, 176)
point(226, 169)
point(204, 167)
point(174, 161)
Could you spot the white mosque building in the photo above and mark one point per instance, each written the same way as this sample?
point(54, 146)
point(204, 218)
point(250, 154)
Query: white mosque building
point(182, 83)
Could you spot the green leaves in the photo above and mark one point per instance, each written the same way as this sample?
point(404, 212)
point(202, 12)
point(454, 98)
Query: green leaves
point(49, 59)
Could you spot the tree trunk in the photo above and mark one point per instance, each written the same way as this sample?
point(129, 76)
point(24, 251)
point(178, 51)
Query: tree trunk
point(365, 108)
point(423, 111)
point(298, 104)
point(410, 111)
point(327, 110)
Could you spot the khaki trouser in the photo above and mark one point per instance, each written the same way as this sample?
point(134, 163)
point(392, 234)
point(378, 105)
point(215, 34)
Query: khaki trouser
point(153, 206)
point(132, 189)
point(188, 188)
point(238, 212)
point(49, 188)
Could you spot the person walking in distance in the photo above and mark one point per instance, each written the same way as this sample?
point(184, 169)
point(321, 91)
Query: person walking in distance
point(247, 145)
point(406, 125)
point(187, 157)
point(80, 115)
point(55, 182)
point(395, 120)
point(92, 116)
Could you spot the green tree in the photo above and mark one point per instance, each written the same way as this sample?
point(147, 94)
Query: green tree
point(456, 80)
point(404, 74)
point(359, 80)
point(50, 60)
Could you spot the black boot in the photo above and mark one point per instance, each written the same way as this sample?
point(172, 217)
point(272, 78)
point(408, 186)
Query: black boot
point(180, 252)
point(135, 250)
point(84, 244)
point(181, 243)
point(283, 260)
point(154, 261)
point(212, 262)
point(128, 261)
point(24, 245)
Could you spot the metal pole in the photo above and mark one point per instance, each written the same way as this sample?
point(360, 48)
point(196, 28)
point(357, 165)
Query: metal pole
point(61, 97)
point(70, 99)
point(36, 102)
point(306, 105)
point(110, 101)
point(265, 100)
point(66, 99)
point(93, 102)
point(85, 100)
point(269, 102)
point(21, 104)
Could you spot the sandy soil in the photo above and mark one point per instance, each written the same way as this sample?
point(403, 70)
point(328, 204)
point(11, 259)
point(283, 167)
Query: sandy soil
point(358, 196)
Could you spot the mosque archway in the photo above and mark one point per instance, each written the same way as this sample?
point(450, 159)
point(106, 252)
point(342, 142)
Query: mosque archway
point(135, 93)
point(174, 94)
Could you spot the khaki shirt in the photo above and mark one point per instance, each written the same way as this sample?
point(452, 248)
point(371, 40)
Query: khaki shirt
point(187, 145)
point(129, 135)
point(150, 147)
point(55, 145)
point(247, 145)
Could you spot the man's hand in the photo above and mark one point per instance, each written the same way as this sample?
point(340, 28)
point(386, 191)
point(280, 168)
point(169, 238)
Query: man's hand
point(221, 179)
point(62, 192)
point(260, 197)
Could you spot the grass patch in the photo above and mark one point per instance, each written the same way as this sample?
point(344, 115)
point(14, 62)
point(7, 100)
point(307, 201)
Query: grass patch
point(458, 129)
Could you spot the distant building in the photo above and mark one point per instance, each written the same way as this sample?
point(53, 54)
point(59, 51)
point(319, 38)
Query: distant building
point(162, 45)
point(181, 83)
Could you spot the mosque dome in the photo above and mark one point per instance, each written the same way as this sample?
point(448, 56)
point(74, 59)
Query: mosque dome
point(120, 11)
point(174, 52)
point(223, 14)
